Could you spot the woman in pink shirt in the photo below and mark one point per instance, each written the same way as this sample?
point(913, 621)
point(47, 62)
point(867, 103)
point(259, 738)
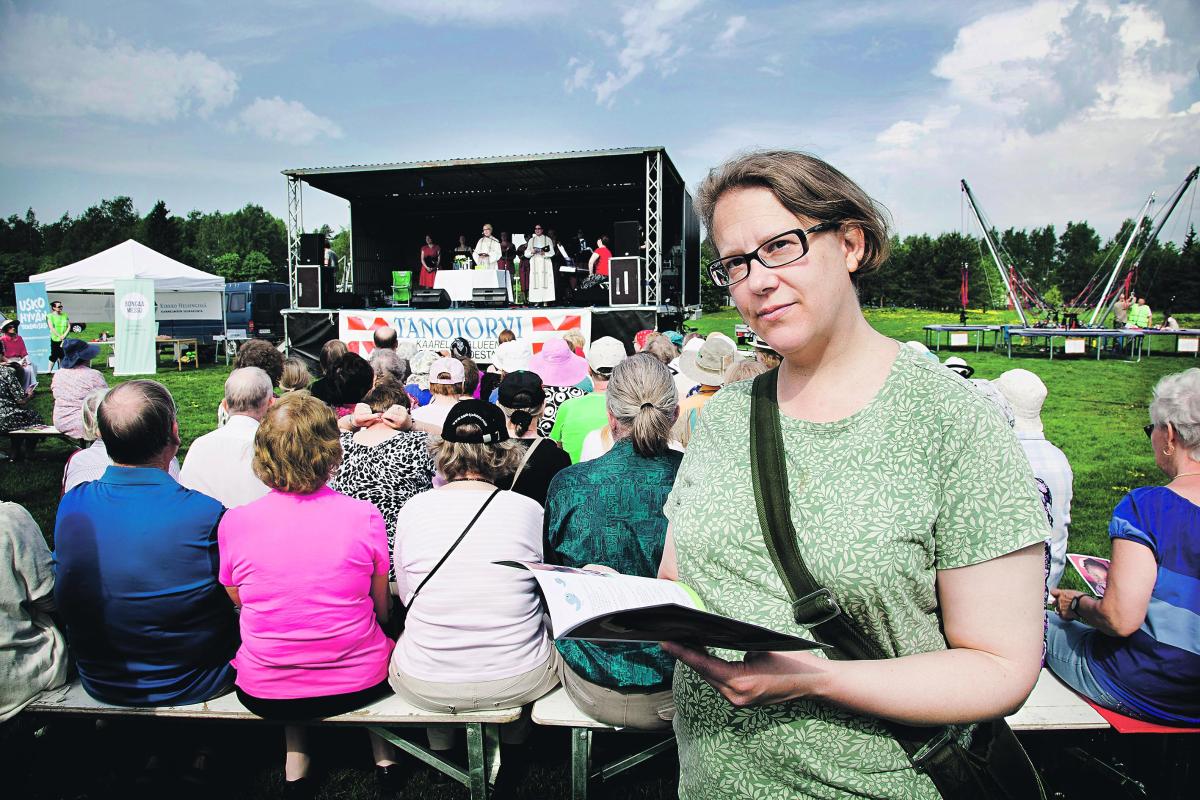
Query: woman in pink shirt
point(74, 381)
point(308, 567)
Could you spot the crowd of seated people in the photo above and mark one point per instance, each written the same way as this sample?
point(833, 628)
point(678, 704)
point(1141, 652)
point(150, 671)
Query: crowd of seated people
point(301, 556)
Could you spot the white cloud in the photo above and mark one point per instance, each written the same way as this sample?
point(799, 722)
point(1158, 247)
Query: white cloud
point(1055, 110)
point(733, 26)
point(773, 66)
point(286, 121)
point(478, 12)
point(54, 67)
point(581, 74)
point(649, 33)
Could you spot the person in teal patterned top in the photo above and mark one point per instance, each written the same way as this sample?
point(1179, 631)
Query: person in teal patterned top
point(607, 513)
point(912, 501)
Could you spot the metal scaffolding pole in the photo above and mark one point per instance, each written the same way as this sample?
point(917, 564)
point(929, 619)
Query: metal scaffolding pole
point(295, 227)
point(653, 225)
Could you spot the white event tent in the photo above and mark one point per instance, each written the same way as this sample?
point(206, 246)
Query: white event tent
point(86, 287)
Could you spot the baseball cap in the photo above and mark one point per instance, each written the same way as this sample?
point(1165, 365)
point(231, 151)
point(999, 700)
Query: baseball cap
point(605, 353)
point(487, 417)
point(521, 389)
point(449, 365)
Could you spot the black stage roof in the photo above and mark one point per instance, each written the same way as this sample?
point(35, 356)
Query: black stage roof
point(425, 185)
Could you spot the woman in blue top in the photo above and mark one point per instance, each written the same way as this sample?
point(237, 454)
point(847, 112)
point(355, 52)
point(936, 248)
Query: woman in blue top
point(1136, 650)
point(608, 512)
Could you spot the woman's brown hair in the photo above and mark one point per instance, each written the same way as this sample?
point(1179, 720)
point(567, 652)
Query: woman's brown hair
point(806, 186)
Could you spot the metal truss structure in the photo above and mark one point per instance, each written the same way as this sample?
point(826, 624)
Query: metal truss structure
point(295, 227)
point(654, 167)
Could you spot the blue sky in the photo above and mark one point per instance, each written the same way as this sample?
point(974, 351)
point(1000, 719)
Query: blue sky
point(1053, 110)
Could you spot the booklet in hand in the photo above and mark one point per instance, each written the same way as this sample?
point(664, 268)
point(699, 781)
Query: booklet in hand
point(1093, 570)
point(606, 607)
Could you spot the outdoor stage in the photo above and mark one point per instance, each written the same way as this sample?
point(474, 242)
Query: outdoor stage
point(306, 330)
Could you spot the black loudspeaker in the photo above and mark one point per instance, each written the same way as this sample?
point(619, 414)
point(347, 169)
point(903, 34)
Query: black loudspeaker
point(348, 300)
point(314, 285)
point(429, 298)
point(489, 297)
point(626, 238)
point(625, 281)
point(312, 248)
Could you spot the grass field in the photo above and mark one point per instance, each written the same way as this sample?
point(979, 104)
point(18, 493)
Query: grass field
point(1095, 413)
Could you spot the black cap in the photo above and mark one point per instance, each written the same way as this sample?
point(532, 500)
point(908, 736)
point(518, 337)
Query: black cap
point(521, 389)
point(460, 348)
point(486, 416)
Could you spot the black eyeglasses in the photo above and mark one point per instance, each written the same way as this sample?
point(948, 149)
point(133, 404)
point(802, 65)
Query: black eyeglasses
point(1149, 429)
point(778, 251)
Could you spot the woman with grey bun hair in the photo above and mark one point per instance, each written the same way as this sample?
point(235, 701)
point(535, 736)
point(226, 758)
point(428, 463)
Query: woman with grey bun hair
point(1133, 650)
point(621, 493)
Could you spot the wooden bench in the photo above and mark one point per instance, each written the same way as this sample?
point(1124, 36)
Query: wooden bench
point(1051, 706)
point(41, 433)
point(381, 717)
point(556, 709)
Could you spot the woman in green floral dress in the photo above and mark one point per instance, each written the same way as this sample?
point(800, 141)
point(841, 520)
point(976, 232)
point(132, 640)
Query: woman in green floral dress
point(911, 499)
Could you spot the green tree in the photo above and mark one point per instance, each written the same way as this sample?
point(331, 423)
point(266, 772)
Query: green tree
point(256, 267)
point(160, 231)
point(228, 266)
point(1078, 257)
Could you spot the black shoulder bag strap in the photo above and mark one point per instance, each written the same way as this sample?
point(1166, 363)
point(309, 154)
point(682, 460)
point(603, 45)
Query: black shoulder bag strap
point(993, 766)
point(453, 547)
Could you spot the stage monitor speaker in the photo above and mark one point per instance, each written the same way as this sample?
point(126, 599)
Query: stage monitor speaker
point(348, 300)
point(625, 281)
point(429, 298)
point(489, 297)
point(314, 285)
point(626, 238)
point(312, 248)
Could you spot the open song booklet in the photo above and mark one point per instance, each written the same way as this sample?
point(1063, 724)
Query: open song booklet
point(604, 607)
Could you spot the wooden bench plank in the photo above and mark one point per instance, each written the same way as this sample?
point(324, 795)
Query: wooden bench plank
point(391, 710)
point(1053, 706)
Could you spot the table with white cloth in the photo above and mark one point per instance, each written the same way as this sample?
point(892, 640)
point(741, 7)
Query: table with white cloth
point(459, 283)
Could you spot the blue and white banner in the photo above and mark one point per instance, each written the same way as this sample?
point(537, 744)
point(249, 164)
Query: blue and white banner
point(32, 308)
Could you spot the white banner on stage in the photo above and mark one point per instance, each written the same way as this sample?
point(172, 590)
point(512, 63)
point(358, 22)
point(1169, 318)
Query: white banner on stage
point(434, 329)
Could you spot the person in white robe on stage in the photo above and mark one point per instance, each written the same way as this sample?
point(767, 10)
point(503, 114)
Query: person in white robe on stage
point(487, 250)
point(539, 251)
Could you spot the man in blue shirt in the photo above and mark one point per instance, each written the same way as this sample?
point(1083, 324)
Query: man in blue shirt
point(147, 621)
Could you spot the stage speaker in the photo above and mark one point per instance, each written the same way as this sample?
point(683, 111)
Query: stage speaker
point(314, 285)
point(348, 300)
point(626, 238)
point(489, 297)
point(625, 281)
point(312, 248)
point(429, 298)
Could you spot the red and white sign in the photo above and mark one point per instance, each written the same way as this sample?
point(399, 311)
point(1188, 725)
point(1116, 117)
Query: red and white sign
point(434, 329)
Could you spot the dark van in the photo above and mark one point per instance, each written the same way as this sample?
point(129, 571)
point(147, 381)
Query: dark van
point(254, 307)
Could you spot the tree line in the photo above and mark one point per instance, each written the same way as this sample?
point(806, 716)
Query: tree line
point(923, 271)
point(244, 245)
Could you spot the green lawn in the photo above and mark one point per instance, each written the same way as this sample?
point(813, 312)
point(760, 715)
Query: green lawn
point(1095, 413)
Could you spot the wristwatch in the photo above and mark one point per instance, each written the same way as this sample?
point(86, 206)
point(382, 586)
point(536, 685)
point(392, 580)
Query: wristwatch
point(1074, 607)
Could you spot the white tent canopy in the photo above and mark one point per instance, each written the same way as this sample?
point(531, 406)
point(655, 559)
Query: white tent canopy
point(128, 260)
